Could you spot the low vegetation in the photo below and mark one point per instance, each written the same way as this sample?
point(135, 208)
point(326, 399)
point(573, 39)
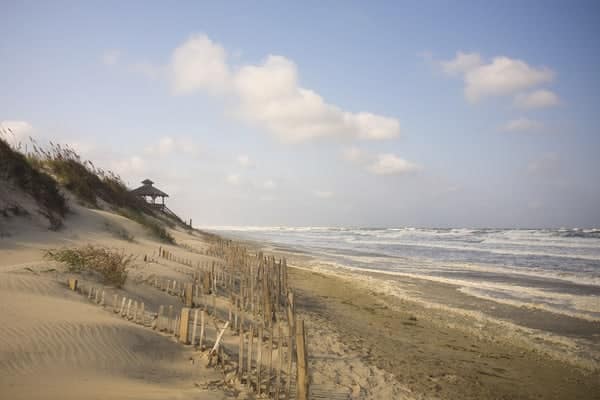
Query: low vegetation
point(154, 227)
point(41, 171)
point(82, 177)
point(109, 264)
point(119, 232)
point(16, 169)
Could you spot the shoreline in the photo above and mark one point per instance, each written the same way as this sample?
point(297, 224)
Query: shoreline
point(433, 352)
point(566, 330)
point(437, 341)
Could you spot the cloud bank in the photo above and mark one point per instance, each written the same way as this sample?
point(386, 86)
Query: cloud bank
point(269, 94)
point(499, 77)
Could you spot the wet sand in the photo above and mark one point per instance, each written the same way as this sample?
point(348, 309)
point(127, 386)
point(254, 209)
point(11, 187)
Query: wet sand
point(439, 354)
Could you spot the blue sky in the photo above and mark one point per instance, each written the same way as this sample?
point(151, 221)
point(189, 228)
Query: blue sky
point(313, 113)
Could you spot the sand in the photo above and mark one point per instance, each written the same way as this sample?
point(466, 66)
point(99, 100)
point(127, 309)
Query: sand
point(363, 343)
point(433, 353)
point(54, 344)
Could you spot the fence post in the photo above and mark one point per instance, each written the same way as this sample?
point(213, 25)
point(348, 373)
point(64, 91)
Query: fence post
point(73, 284)
point(269, 361)
point(201, 329)
point(250, 340)
point(302, 363)
point(188, 294)
point(259, 358)
point(288, 384)
point(183, 325)
point(194, 327)
point(279, 361)
point(122, 306)
point(241, 357)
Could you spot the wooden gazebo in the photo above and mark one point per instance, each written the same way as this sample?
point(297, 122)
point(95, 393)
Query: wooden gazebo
point(149, 193)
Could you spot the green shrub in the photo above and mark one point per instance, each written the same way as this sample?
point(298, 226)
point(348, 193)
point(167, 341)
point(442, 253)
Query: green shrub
point(110, 265)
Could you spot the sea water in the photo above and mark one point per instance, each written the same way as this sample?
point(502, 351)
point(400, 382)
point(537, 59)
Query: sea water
point(554, 269)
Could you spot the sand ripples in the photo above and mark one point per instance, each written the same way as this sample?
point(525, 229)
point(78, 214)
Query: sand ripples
point(53, 328)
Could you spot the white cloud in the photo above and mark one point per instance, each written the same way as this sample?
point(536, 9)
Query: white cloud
point(244, 161)
point(270, 94)
point(537, 99)
point(390, 164)
point(168, 145)
point(269, 184)
point(323, 194)
point(111, 57)
point(233, 179)
point(502, 76)
point(522, 125)
point(199, 64)
point(462, 63)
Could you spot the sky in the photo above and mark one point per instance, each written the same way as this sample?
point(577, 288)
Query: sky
point(425, 114)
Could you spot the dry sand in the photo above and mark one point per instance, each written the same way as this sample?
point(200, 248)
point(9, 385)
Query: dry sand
point(363, 344)
point(55, 344)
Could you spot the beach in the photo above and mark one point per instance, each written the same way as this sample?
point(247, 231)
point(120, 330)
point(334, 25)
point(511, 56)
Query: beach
point(56, 343)
point(300, 201)
point(370, 335)
point(435, 353)
point(441, 341)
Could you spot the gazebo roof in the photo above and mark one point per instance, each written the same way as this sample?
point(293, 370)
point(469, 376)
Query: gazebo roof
point(148, 190)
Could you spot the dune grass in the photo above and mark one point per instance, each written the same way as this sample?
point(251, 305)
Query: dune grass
point(16, 169)
point(154, 227)
point(109, 264)
point(41, 171)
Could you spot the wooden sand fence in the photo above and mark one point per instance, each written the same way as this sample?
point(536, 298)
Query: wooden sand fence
point(237, 307)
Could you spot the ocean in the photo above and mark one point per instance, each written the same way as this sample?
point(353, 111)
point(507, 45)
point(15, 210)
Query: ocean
point(557, 270)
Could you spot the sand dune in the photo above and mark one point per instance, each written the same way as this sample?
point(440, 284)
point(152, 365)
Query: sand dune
point(53, 344)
